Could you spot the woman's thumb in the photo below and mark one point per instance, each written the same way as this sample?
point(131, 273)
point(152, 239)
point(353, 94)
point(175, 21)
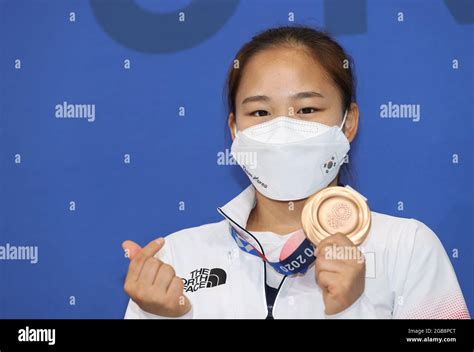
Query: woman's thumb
point(131, 249)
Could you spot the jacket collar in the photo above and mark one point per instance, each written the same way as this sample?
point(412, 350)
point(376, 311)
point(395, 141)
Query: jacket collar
point(237, 210)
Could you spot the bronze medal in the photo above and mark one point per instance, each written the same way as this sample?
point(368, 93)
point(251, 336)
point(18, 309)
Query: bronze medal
point(336, 210)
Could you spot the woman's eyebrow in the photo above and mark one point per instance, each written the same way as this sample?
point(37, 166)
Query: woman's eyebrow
point(255, 98)
point(310, 94)
point(300, 95)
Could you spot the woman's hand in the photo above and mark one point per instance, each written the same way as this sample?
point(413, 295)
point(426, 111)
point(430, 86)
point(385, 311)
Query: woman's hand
point(340, 272)
point(152, 284)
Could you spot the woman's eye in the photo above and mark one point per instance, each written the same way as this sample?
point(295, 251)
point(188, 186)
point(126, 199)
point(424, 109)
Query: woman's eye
point(307, 110)
point(265, 113)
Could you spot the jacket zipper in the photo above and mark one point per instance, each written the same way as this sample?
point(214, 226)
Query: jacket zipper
point(269, 314)
point(278, 295)
point(261, 249)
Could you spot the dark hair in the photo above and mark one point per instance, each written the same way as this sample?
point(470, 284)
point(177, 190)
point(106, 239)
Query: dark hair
point(332, 57)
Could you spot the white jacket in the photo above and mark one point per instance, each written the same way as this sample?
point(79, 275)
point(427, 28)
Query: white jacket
point(408, 274)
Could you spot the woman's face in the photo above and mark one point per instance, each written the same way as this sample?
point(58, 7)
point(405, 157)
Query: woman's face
point(287, 81)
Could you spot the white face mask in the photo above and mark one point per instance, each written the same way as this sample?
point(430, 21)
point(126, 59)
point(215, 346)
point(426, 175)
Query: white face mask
point(289, 159)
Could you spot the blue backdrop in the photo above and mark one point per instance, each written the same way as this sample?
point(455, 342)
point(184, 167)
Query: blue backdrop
point(154, 125)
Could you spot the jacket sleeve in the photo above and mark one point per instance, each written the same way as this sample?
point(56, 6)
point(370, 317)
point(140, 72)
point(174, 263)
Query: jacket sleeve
point(431, 289)
point(425, 284)
point(134, 311)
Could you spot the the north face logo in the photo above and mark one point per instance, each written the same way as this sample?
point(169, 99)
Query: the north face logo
point(204, 278)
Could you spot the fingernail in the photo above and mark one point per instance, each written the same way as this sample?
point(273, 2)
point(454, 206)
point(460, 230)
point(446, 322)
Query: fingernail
point(160, 240)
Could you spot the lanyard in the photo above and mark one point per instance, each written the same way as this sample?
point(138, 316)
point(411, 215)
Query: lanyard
point(297, 262)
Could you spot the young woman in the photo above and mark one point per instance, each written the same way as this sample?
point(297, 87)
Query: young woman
point(291, 97)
